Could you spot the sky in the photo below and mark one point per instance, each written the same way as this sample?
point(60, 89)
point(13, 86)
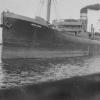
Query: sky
point(93, 18)
point(30, 8)
point(61, 10)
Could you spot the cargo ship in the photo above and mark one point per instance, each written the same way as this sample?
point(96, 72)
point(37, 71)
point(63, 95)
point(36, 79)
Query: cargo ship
point(24, 37)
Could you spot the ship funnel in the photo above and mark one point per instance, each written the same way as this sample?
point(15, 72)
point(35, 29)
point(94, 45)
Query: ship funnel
point(92, 7)
point(83, 14)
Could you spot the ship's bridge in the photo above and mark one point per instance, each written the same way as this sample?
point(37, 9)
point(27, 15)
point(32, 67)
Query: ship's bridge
point(69, 25)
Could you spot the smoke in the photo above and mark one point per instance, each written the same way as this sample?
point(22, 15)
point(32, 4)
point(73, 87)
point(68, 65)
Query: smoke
point(92, 7)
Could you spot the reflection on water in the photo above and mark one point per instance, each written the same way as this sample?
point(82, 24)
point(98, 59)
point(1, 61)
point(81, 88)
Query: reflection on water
point(24, 71)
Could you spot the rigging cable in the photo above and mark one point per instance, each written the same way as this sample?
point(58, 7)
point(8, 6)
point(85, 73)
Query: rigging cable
point(40, 8)
point(55, 7)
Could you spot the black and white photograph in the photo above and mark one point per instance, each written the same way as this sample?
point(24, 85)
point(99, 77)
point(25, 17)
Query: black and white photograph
point(49, 49)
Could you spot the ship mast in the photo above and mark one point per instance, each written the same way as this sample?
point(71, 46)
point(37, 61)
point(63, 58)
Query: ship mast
point(48, 10)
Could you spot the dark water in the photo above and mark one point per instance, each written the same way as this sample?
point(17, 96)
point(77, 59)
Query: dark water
point(25, 71)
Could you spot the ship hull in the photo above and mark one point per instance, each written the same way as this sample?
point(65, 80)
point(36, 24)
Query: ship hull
point(14, 52)
point(25, 38)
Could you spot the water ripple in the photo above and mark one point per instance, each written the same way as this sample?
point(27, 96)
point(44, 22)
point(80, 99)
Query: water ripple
point(25, 71)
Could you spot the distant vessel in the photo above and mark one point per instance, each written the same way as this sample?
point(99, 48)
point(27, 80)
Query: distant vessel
point(24, 37)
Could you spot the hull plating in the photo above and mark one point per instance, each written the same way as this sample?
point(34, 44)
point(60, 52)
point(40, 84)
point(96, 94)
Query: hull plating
point(27, 39)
